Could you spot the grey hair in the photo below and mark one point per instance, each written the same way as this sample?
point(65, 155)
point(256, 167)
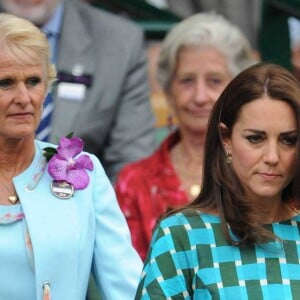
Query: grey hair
point(200, 30)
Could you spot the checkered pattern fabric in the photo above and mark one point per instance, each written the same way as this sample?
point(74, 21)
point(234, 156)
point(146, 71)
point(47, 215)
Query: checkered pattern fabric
point(189, 258)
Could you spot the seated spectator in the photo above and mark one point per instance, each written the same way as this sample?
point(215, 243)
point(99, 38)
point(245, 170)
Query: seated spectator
point(198, 58)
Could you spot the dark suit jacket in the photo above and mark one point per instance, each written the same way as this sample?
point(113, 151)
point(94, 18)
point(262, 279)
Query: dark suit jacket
point(114, 118)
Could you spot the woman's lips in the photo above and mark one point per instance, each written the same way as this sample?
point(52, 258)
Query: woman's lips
point(269, 176)
point(22, 115)
point(200, 112)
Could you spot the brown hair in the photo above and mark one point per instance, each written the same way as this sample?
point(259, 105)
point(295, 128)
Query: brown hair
point(221, 189)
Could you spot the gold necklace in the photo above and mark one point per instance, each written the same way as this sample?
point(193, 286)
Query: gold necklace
point(191, 182)
point(13, 197)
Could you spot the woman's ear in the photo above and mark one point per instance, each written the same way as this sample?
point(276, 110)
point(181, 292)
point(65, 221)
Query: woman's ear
point(224, 133)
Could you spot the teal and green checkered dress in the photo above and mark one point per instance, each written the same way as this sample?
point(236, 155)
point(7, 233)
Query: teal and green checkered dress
point(189, 258)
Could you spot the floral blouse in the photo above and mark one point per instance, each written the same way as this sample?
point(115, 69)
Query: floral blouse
point(146, 189)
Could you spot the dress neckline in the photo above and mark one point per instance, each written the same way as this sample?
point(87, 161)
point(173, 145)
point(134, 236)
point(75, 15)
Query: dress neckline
point(11, 213)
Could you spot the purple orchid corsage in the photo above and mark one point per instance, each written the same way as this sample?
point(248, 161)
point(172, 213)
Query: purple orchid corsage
point(66, 165)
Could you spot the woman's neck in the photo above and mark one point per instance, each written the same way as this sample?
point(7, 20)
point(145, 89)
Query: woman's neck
point(192, 146)
point(187, 159)
point(275, 210)
point(15, 156)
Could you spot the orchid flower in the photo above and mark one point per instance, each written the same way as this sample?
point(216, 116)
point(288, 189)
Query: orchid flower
point(67, 166)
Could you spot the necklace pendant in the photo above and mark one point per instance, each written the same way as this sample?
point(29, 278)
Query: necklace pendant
point(13, 199)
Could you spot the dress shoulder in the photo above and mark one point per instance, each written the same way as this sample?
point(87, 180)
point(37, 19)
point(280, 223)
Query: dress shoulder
point(190, 218)
point(181, 228)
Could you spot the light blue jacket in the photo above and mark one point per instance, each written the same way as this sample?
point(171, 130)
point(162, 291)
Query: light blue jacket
point(71, 236)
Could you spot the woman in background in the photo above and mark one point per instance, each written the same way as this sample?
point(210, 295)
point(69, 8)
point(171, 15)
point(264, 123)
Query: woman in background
point(198, 58)
point(240, 238)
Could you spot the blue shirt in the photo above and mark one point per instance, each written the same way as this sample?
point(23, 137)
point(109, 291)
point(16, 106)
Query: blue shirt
point(52, 29)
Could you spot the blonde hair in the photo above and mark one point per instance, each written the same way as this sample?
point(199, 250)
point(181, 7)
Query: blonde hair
point(204, 30)
point(22, 40)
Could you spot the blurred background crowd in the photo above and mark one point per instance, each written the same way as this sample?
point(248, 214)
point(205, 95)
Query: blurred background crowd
point(272, 28)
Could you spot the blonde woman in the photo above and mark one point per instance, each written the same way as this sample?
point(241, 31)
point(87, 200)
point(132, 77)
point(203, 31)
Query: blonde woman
point(59, 217)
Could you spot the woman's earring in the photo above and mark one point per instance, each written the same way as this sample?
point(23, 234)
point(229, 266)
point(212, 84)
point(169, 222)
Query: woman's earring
point(228, 157)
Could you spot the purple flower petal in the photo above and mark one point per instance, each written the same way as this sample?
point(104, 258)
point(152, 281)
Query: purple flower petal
point(63, 166)
point(57, 168)
point(69, 147)
point(78, 178)
point(84, 162)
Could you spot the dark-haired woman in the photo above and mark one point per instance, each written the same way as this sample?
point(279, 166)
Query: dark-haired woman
point(240, 238)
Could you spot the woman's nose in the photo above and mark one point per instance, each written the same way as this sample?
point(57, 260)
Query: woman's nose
point(201, 92)
point(271, 154)
point(22, 94)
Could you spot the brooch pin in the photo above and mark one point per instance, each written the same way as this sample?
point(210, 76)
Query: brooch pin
point(67, 167)
point(62, 189)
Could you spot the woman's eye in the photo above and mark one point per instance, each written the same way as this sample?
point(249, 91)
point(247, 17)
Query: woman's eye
point(290, 140)
point(215, 81)
point(5, 83)
point(185, 80)
point(254, 138)
point(34, 81)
